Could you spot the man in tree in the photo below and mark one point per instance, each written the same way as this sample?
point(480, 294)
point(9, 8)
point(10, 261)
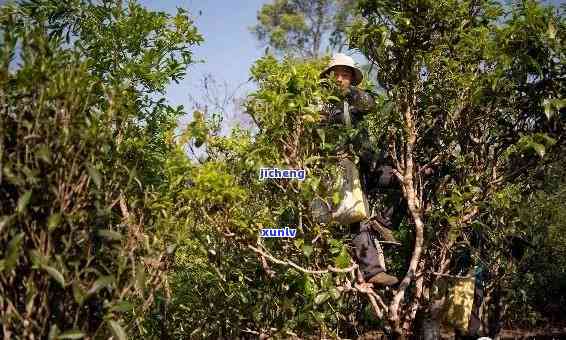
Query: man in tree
point(360, 102)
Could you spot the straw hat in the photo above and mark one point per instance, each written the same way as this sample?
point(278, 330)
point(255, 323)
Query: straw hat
point(340, 59)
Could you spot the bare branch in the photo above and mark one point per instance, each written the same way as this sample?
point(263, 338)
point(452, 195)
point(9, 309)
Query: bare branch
point(304, 270)
point(270, 273)
point(379, 307)
point(453, 276)
point(413, 204)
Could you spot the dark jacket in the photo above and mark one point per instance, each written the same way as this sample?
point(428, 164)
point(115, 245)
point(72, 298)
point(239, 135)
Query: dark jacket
point(376, 176)
point(361, 102)
point(376, 179)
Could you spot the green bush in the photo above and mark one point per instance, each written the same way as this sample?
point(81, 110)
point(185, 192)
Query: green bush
point(82, 151)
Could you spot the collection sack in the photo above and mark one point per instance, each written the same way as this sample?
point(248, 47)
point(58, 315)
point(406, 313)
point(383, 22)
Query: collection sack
point(460, 303)
point(353, 205)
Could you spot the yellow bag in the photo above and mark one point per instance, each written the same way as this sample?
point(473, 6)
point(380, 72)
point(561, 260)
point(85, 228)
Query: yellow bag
point(460, 303)
point(353, 206)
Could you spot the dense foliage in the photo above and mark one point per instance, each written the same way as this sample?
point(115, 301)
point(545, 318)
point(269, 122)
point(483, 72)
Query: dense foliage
point(231, 204)
point(82, 149)
point(476, 94)
point(108, 228)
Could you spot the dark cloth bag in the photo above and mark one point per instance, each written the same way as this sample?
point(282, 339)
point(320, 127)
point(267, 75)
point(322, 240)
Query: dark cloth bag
point(364, 249)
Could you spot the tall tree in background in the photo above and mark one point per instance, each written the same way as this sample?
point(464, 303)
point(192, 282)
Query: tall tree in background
point(303, 27)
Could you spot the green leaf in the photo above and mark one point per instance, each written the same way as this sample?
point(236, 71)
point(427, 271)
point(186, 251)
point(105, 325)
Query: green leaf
point(552, 106)
point(309, 287)
point(307, 250)
point(321, 298)
point(6, 221)
point(78, 293)
point(335, 246)
point(44, 153)
point(551, 30)
point(23, 201)
point(243, 298)
point(388, 107)
point(73, 334)
point(53, 221)
point(100, 283)
point(95, 175)
point(336, 198)
point(343, 259)
point(13, 252)
point(53, 332)
point(308, 118)
point(55, 274)
point(110, 234)
point(171, 249)
point(548, 111)
point(314, 183)
point(38, 259)
point(539, 148)
point(321, 134)
point(334, 293)
point(311, 159)
point(117, 330)
point(122, 307)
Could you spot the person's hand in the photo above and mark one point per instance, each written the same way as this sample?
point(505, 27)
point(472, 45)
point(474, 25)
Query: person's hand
point(428, 171)
point(323, 113)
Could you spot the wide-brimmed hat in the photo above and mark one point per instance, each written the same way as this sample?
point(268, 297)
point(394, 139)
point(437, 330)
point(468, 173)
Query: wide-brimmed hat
point(340, 59)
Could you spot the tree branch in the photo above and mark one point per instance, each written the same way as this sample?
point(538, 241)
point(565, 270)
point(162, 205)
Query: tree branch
point(299, 268)
point(414, 209)
point(453, 276)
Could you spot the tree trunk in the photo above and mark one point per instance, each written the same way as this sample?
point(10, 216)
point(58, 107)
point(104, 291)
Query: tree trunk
point(414, 204)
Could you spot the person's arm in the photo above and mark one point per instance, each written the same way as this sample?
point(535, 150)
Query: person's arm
point(332, 114)
point(361, 102)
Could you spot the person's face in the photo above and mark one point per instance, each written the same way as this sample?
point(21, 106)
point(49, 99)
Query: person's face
point(344, 76)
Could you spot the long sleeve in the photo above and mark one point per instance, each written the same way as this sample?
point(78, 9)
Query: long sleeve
point(335, 113)
point(361, 102)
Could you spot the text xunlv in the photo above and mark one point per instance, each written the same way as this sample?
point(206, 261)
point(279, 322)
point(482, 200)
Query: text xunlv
point(281, 232)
